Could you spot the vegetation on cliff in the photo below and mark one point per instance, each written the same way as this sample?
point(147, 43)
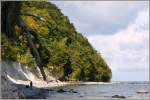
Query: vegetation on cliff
point(37, 33)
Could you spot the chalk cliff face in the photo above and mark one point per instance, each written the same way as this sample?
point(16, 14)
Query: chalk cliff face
point(14, 74)
point(20, 74)
point(15, 71)
point(8, 89)
point(38, 41)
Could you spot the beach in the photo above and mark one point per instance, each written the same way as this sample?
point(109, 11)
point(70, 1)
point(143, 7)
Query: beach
point(87, 91)
point(16, 84)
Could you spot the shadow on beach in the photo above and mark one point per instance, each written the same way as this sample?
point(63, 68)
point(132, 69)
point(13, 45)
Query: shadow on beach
point(32, 93)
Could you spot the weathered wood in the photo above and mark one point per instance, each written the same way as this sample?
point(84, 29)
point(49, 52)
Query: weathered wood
point(34, 50)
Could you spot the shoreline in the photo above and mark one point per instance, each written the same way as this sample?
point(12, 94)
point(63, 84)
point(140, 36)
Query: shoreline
point(43, 90)
point(40, 89)
point(46, 90)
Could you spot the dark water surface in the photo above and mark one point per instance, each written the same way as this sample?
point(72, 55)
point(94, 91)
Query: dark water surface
point(130, 90)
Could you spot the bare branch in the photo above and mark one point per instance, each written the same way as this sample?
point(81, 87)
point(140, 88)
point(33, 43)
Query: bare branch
point(33, 15)
point(28, 31)
point(38, 17)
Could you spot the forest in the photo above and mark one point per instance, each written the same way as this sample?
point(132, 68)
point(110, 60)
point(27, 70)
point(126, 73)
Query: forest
point(38, 34)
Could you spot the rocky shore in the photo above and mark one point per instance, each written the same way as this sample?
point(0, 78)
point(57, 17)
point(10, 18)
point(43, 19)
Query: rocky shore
point(11, 90)
point(15, 81)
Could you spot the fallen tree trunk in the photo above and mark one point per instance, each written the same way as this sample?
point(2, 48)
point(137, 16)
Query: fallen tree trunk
point(11, 16)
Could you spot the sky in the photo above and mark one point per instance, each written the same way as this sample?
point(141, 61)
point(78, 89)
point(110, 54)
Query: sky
point(119, 30)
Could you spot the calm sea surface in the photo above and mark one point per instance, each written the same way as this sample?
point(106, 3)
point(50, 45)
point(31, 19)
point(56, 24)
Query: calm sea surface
point(131, 91)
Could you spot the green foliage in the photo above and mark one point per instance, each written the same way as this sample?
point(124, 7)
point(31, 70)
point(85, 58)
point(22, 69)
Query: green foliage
point(71, 55)
point(8, 52)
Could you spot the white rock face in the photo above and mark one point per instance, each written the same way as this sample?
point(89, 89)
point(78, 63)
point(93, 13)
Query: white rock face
point(14, 73)
point(8, 90)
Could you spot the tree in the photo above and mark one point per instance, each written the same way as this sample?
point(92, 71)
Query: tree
point(11, 16)
point(40, 30)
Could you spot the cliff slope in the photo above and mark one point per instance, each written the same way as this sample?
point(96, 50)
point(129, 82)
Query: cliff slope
point(37, 34)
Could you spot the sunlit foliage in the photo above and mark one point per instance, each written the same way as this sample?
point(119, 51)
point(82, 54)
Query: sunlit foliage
point(71, 55)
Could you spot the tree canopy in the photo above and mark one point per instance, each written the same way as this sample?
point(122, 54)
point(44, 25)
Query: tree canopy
point(47, 33)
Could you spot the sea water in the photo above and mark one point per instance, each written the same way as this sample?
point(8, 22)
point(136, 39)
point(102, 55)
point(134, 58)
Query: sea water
point(106, 91)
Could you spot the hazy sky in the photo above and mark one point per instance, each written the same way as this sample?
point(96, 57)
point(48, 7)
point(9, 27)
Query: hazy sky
point(119, 30)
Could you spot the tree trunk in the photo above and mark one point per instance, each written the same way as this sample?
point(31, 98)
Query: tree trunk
point(11, 16)
point(10, 12)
